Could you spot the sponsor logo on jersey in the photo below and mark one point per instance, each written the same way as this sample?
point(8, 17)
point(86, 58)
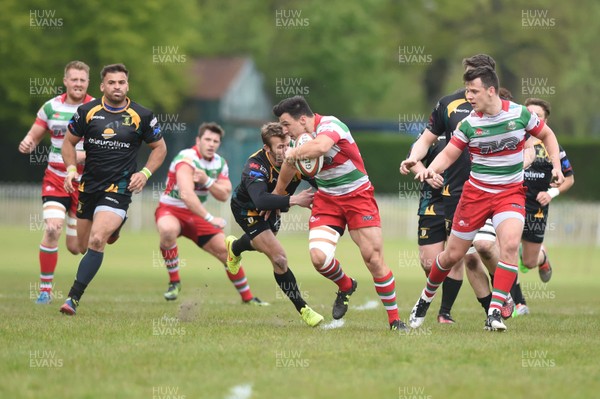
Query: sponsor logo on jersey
point(98, 117)
point(108, 133)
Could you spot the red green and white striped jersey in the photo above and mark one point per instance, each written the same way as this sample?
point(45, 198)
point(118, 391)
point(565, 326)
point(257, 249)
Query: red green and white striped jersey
point(54, 116)
point(496, 145)
point(343, 169)
point(215, 168)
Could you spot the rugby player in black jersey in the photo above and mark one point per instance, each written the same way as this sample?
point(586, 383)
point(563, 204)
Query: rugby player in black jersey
point(113, 129)
point(253, 195)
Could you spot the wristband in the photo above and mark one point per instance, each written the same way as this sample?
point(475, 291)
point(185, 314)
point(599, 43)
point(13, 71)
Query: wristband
point(209, 182)
point(553, 192)
point(208, 217)
point(146, 172)
point(71, 168)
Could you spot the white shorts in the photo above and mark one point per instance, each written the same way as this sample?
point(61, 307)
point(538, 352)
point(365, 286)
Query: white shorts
point(486, 233)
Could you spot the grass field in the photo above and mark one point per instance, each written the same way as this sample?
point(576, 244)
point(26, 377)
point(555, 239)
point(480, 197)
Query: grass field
point(128, 342)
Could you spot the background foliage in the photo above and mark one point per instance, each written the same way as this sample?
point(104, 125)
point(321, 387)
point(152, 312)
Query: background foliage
point(346, 53)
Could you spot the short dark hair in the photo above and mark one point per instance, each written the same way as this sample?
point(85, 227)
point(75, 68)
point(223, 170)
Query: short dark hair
point(545, 105)
point(479, 60)
point(271, 129)
point(505, 94)
point(486, 74)
point(295, 106)
point(213, 127)
point(112, 68)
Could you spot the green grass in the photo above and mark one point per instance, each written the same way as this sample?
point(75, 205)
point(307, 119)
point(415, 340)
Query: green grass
point(208, 342)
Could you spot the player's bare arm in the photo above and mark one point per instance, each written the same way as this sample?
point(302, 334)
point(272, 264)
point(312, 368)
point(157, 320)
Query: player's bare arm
point(156, 158)
point(437, 182)
point(529, 152)
point(32, 139)
point(185, 182)
point(549, 139)
point(418, 151)
point(441, 162)
point(303, 199)
point(310, 150)
point(69, 155)
point(220, 188)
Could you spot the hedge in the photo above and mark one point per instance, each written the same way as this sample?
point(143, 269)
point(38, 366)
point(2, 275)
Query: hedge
point(383, 153)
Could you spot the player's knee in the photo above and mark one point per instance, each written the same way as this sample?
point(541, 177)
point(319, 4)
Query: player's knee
point(471, 262)
point(53, 230)
point(279, 263)
point(485, 248)
point(322, 242)
point(96, 242)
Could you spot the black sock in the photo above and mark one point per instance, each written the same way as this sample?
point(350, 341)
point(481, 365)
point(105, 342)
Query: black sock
point(485, 302)
point(287, 283)
point(517, 294)
point(77, 290)
point(450, 289)
point(88, 267)
point(242, 244)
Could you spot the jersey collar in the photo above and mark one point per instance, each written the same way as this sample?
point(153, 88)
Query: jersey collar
point(110, 109)
point(505, 106)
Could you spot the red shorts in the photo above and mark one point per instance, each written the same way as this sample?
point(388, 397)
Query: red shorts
point(192, 225)
point(54, 186)
point(357, 209)
point(475, 206)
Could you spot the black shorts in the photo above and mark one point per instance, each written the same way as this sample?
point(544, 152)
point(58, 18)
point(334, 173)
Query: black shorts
point(431, 230)
point(88, 202)
point(449, 210)
point(255, 224)
point(535, 224)
point(64, 201)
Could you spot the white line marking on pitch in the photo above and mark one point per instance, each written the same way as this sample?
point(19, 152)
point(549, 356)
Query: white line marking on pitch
point(333, 324)
point(367, 306)
point(240, 392)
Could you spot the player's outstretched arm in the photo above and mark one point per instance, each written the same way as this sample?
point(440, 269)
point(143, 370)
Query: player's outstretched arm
point(418, 151)
point(303, 199)
point(441, 162)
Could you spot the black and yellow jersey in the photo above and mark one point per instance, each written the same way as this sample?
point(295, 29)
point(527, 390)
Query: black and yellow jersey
point(444, 119)
point(111, 140)
point(259, 179)
point(538, 175)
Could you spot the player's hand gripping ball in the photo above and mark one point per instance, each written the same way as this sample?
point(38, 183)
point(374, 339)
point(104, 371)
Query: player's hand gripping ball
point(308, 167)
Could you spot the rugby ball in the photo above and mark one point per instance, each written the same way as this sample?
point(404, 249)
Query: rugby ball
point(308, 167)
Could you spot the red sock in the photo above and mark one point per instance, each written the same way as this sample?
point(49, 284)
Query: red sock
point(240, 282)
point(48, 261)
point(333, 271)
point(503, 281)
point(436, 277)
point(386, 289)
point(171, 257)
